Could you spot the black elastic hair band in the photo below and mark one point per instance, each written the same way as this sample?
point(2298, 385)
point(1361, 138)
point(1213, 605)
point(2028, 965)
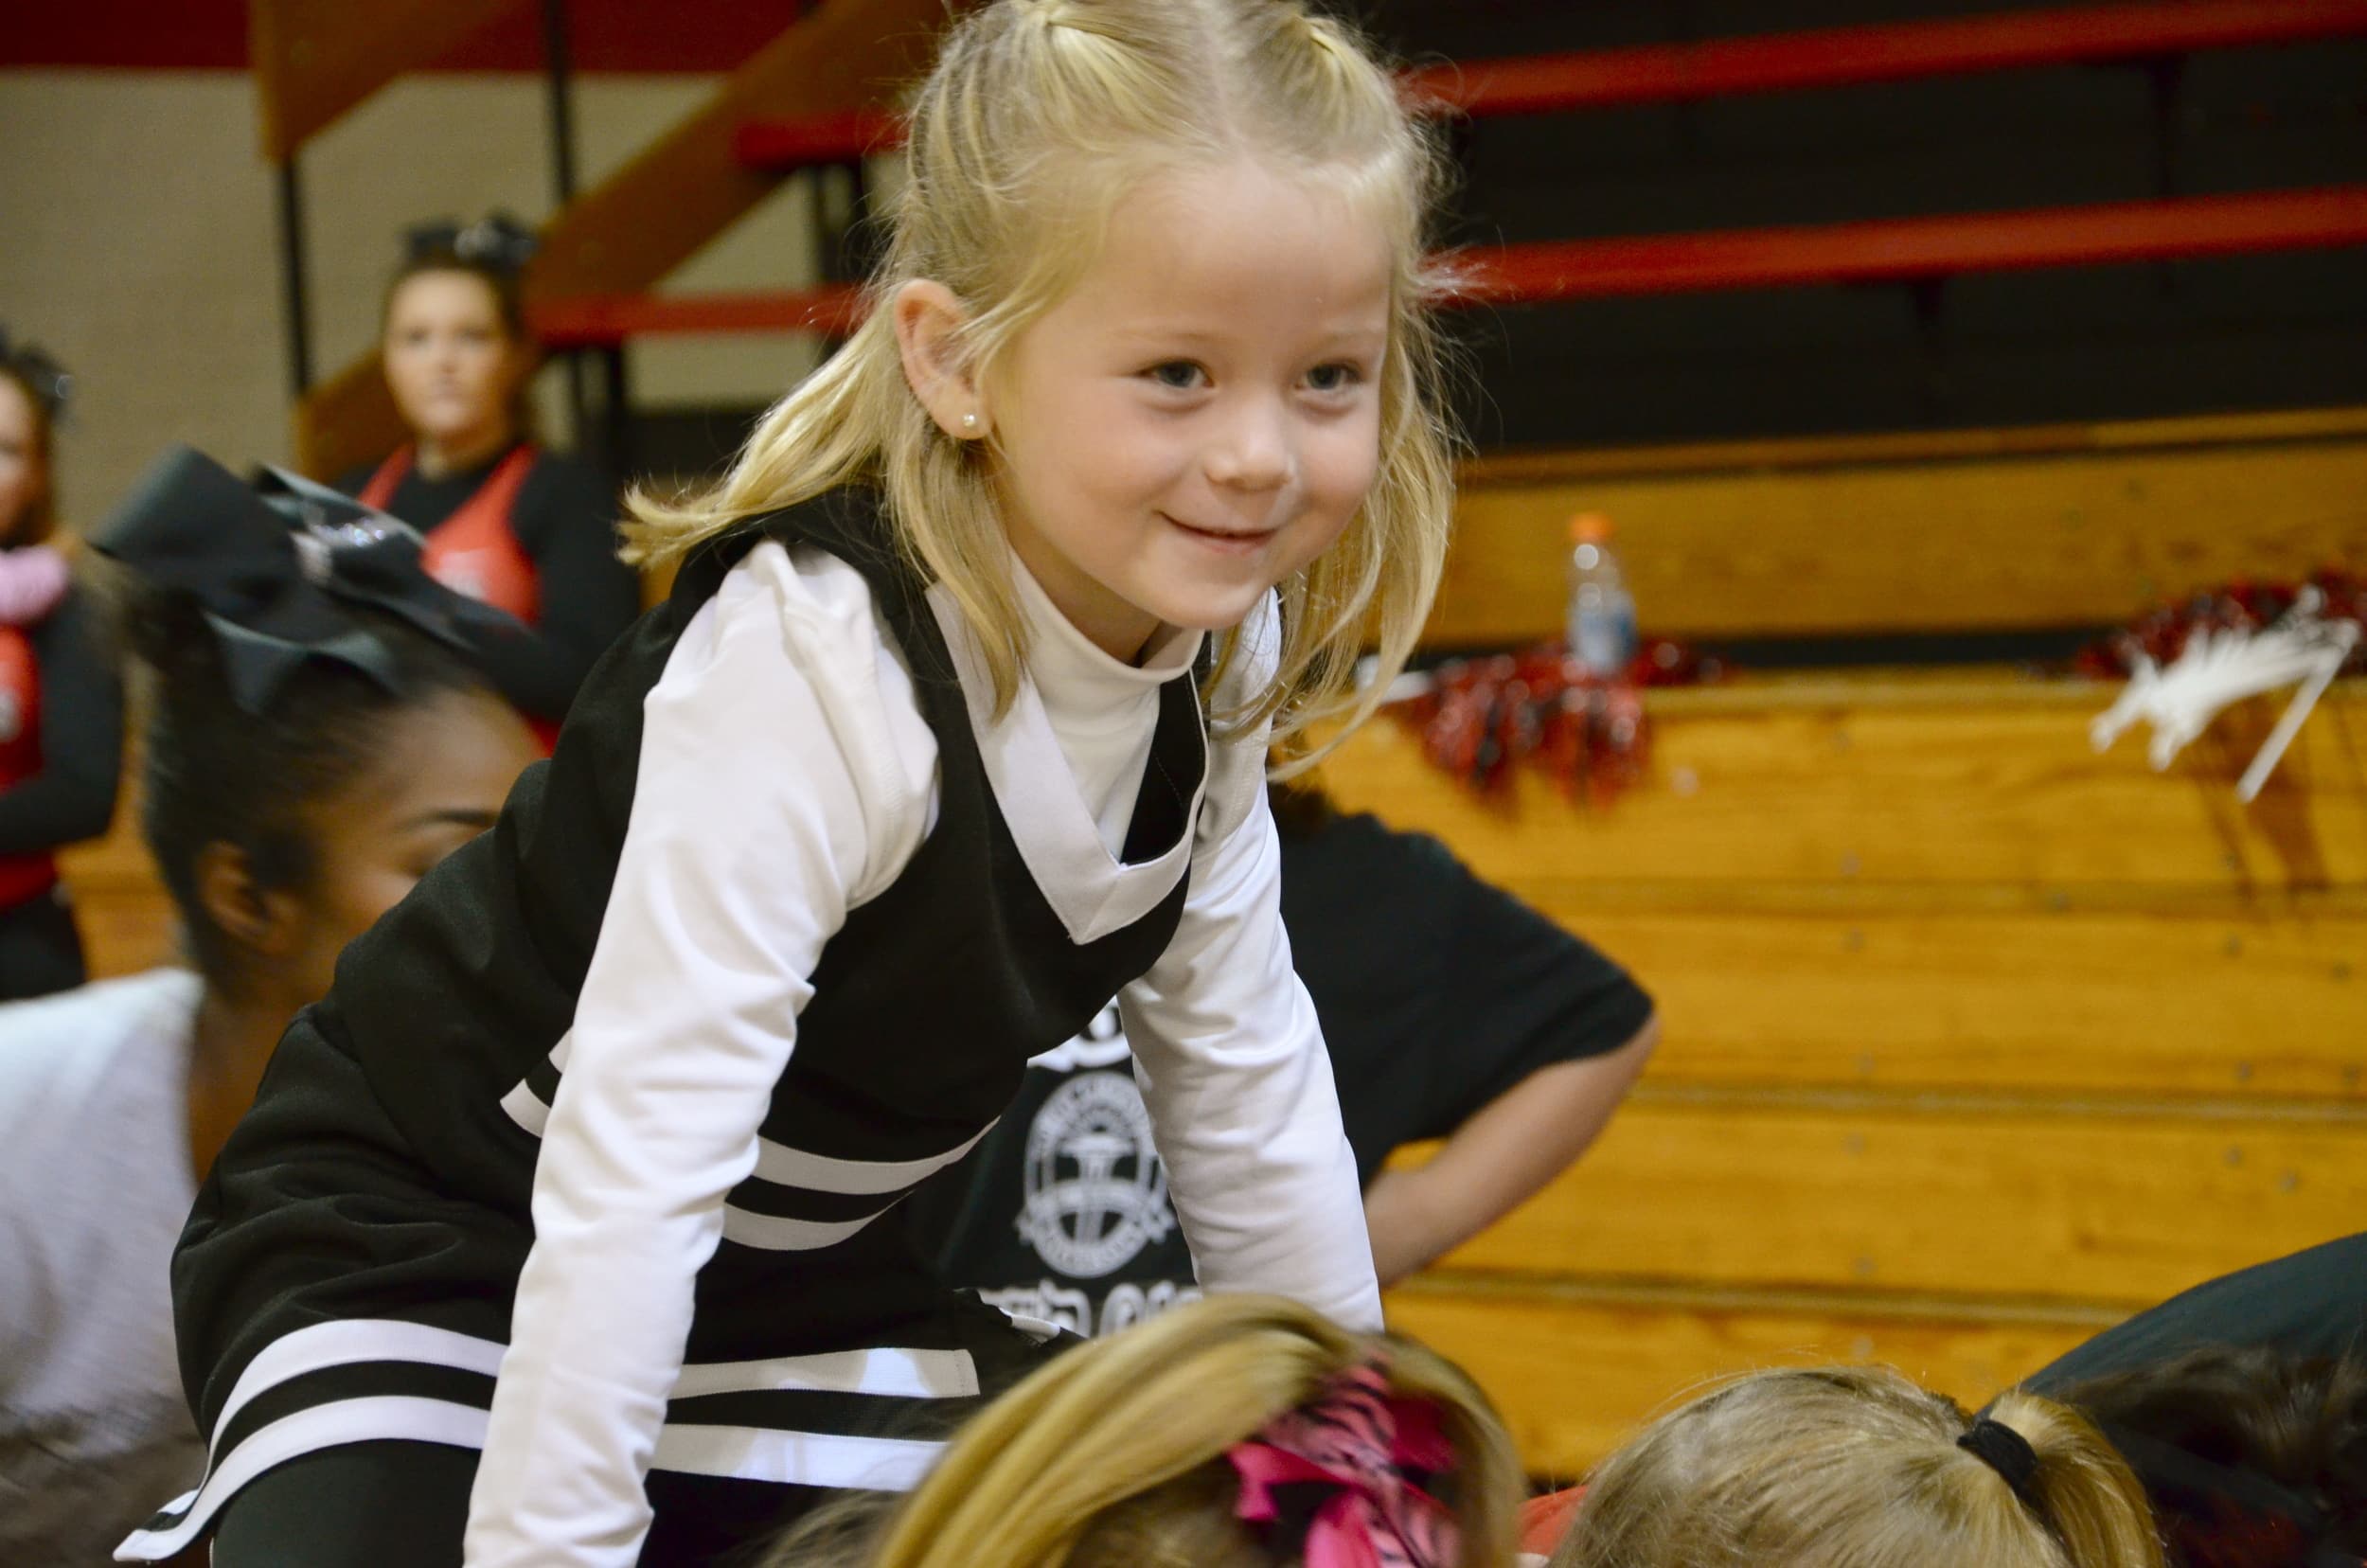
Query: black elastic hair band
point(2009, 1454)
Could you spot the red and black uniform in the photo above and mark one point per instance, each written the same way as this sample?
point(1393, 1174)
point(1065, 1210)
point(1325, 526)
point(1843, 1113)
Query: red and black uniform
point(60, 754)
point(532, 533)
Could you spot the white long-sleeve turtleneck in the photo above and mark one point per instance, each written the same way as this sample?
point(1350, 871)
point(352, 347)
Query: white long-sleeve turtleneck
point(786, 776)
point(1102, 710)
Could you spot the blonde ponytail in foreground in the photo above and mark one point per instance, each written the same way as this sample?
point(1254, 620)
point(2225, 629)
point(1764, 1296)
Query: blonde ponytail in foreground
point(1857, 1468)
point(1114, 1455)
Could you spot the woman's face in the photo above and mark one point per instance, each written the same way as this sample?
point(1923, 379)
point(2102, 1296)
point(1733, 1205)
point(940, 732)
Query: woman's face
point(450, 360)
point(24, 470)
point(443, 768)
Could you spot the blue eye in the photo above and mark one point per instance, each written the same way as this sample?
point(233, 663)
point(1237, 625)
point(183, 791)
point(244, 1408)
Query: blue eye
point(1180, 375)
point(1334, 378)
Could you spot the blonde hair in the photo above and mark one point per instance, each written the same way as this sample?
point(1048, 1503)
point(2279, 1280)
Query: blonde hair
point(1038, 117)
point(1114, 1455)
point(1856, 1468)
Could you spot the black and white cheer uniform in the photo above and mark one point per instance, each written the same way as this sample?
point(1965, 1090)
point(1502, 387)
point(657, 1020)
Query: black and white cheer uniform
point(580, 1161)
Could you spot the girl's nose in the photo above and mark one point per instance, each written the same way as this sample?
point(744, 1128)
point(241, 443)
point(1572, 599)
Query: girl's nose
point(1252, 451)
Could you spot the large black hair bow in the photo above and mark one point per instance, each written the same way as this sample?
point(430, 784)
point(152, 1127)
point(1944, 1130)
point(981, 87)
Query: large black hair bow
point(496, 241)
point(279, 567)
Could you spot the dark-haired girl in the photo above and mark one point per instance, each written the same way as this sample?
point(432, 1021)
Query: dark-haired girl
point(524, 529)
point(287, 805)
point(61, 700)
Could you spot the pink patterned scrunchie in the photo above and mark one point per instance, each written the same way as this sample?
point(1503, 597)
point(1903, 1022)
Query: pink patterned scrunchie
point(32, 581)
point(1344, 1469)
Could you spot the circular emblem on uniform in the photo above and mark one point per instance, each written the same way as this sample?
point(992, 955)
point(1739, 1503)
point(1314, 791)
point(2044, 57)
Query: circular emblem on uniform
point(1095, 1191)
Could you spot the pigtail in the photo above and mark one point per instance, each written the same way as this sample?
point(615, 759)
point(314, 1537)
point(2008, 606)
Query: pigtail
point(2081, 1489)
point(1117, 1454)
point(1807, 1468)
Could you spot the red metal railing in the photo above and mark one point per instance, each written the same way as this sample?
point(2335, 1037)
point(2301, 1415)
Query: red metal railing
point(1665, 73)
point(1880, 250)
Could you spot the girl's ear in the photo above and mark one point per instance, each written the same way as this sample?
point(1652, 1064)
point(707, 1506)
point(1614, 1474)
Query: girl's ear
point(267, 922)
point(929, 320)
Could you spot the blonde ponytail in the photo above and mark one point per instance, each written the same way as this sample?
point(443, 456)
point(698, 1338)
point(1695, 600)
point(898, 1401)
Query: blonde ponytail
point(2086, 1493)
point(1114, 1455)
point(1857, 1466)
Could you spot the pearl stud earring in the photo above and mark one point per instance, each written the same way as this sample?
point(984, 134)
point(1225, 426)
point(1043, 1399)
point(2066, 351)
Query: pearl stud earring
point(970, 424)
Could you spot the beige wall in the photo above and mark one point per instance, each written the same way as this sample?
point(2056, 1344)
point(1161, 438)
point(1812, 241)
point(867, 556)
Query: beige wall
point(138, 243)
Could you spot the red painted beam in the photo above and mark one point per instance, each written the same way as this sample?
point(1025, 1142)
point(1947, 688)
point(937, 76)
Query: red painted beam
point(1842, 56)
point(1668, 73)
point(1882, 250)
point(1900, 249)
point(791, 144)
point(590, 321)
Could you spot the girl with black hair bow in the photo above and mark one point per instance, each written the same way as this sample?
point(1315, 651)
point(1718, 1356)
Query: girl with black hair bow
point(300, 670)
point(61, 697)
point(527, 531)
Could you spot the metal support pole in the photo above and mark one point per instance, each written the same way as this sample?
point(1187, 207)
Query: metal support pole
point(296, 295)
point(2166, 79)
point(1930, 296)
point(558, 62)
point(558, 65)
point(616, 434)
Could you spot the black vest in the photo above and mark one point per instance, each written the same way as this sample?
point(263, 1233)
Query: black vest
point(927, 1004)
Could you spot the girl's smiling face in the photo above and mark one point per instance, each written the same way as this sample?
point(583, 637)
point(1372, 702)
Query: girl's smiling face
point(1200, 416)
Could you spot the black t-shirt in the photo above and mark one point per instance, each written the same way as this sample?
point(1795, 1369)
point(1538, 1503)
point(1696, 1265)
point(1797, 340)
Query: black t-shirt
point(1437, 994)
point(73, 797)
point(2310, 1304)
point(566, 521)
point(2207, 1490)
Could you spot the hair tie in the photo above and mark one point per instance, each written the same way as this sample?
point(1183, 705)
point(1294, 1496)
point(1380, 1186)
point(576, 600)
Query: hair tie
point(2009, 1454)
point(496, 241)
point(50, 383)
point(1337, 1483)
point(280, 569)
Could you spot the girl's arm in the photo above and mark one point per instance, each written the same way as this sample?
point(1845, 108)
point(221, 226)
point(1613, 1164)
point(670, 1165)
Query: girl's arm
point(73, 797)
point(774, 791)
point(1234, 1070)
point(1515, 1145)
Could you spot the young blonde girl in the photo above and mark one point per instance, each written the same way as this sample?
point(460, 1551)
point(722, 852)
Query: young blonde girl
point(555, 1227)
point(1162, 1448)
point(1859, 1468)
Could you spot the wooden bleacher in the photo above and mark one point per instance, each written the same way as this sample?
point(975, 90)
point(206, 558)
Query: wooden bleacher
point(119, 902)
point(1975, 1039)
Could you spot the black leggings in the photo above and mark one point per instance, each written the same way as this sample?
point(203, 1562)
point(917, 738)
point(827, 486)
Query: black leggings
point(397, 1505)
point(41, 951)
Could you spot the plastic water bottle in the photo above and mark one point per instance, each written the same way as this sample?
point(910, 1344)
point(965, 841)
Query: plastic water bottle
point(1602, 616)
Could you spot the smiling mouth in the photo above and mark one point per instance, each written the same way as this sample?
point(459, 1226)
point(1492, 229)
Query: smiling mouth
point(1236, 541)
